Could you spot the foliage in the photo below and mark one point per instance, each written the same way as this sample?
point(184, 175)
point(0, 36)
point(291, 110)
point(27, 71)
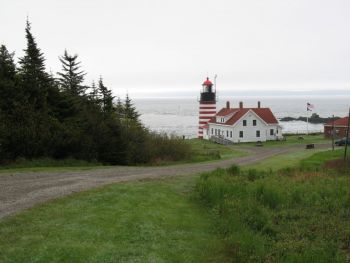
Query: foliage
point(71, 78)
point(298, 214)
point(44, 117)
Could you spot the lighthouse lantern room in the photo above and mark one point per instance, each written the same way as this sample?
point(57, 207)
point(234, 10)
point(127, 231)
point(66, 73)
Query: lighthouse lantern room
point(207, 105)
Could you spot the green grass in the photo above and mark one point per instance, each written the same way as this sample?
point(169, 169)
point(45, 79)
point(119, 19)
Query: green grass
point(294, 140)
point(298, 214)
point(280, 161)
point(145, 221)
point(49, 165)
point(204, 150)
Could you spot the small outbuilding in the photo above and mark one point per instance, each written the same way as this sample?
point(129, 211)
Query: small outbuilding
point(340, 127)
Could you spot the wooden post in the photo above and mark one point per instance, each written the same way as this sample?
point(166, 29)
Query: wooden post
point(347, 136)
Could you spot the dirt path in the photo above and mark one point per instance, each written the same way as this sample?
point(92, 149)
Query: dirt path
point(19, 191)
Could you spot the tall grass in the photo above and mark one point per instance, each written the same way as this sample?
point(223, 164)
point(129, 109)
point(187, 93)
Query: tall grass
point(295, 215)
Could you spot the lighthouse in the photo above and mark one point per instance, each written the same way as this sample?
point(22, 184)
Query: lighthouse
point(207, 105)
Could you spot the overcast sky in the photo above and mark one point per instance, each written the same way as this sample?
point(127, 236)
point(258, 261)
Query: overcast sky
point(167, 48)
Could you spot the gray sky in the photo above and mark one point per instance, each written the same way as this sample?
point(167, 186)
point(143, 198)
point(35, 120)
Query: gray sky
point(166, 48)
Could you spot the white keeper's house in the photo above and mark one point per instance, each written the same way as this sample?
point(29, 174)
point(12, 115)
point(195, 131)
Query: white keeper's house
point(243, 125)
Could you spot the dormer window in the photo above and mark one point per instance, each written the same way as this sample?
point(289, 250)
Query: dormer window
point(222, 119)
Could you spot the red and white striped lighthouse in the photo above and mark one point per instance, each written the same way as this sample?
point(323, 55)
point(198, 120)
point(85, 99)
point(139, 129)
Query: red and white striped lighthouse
point(207, 105)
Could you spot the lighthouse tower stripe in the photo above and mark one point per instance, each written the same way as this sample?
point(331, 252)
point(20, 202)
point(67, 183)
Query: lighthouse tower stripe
point(207, 110)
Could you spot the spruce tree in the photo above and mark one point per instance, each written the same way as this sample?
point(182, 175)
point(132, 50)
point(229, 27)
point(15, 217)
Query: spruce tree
point(106, 98)
point(94, 95)
point(33, 77)
point(71, 77)
point(119, 108)
point(130, 110)
point(8, 91)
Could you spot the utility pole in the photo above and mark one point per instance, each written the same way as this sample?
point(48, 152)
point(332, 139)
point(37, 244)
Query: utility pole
point(333, 131)
point(347, 137)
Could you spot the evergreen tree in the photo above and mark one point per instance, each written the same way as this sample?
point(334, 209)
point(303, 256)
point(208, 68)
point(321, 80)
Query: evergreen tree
point(94, 95)
point(8, 90)
point(106, 97)
point(71, 77)
point(130, 110)
point(119, 108)
point(7, 65)
point(33, 77)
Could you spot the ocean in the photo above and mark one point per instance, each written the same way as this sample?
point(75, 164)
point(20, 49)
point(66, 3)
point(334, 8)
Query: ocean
point(180, 116)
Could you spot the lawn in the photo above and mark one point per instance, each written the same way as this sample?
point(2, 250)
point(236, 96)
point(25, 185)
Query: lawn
point(280, 161)
point(294, 140)
point(205, 150)
point(252, 216)
point(145, 221)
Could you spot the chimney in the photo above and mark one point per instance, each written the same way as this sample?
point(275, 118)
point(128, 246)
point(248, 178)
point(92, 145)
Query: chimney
point(241, 105)
point(227, 104)
point(259, 104)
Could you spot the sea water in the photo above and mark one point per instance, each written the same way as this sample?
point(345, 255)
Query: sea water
point(180, 116)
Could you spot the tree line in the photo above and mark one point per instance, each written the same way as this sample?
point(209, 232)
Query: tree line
point(57, 116)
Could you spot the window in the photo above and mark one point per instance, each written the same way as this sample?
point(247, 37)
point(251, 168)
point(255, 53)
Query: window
point(222, 119)
point(240, 134)
point(271, 131)
point(212, 131)
point(277, 131)
point(244, 122)
point(231, 134)
point(216, 131)
point(257, 133)
point(226, 133)
point(254, 122)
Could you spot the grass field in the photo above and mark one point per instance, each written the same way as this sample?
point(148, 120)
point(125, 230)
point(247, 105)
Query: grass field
point(49, 165)
point(298, 214)
point(293, 140)
point(147, 221)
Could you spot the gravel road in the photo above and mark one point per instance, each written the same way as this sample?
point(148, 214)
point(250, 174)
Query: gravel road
point(19, 191)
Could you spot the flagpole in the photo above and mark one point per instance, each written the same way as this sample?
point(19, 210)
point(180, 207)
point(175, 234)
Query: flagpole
point(307, 120)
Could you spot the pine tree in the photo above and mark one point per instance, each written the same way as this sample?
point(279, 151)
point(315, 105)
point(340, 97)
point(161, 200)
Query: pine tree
point(71, 77)
point(130, 110)
point(33, 77)
point(106, 97)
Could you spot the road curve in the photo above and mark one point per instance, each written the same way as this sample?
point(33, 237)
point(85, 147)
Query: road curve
point(19, 191)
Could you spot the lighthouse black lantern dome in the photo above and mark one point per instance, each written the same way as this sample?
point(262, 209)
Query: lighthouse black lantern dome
point(207, 105)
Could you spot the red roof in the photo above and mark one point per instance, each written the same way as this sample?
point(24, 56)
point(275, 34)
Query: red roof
point(207, 82)
point(264, 113)
point(339, 122)
point(225, 112)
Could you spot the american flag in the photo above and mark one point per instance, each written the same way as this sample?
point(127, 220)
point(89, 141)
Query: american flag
point(309, 106)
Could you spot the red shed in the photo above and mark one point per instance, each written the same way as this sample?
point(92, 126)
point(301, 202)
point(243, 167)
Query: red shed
point(340, 127)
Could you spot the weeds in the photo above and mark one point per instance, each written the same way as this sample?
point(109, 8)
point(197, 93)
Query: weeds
point(294, 215)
